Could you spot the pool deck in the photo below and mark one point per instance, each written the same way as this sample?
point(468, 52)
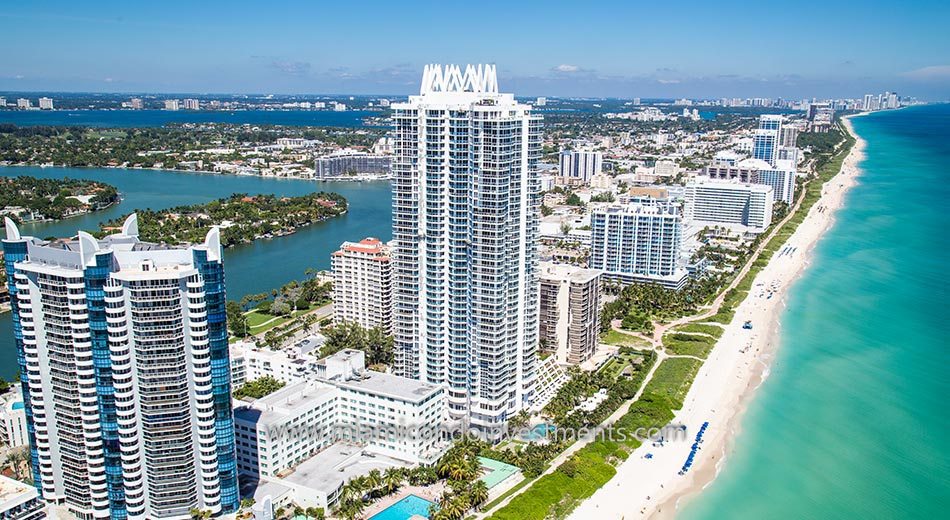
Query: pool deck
point(430, 493)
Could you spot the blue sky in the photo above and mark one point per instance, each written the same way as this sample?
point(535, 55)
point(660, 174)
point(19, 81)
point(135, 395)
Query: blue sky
point(623, 49)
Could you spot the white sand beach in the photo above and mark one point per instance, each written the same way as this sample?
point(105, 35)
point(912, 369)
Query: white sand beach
point(738, 364)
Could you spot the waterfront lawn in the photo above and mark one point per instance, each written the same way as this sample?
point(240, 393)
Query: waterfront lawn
point(673, 378)
point(614, 337)
point(616, 365)
point(711, 330)
point(698, 345)
point(558, 493)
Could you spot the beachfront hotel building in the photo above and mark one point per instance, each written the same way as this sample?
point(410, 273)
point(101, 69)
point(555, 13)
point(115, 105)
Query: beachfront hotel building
point(466, 211)
point(638, 242)
point(344, 404)
point(742, 206)
point(580, 164)
point(780, 176)
point(123, 354)
point(570, 312)
point(362, 284)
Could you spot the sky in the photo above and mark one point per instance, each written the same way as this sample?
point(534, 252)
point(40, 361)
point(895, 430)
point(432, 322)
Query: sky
point(626, 48)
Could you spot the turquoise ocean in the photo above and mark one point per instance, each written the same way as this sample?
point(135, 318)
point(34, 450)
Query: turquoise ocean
point(853, 421)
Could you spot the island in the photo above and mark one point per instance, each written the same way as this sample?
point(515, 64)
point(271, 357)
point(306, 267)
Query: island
point(27, 198)
point(241, 217)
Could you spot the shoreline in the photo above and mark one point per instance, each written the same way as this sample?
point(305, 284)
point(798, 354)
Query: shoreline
point(728, 380)
point(202, 172)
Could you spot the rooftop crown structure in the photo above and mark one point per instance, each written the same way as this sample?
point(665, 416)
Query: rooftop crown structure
point(450, 78)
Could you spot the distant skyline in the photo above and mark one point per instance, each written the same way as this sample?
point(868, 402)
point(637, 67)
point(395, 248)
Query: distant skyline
point(608, 49)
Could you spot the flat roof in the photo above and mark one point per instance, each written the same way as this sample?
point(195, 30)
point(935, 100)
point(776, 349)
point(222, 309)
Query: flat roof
point(331, 468)
point(284, 404)
point(12, 489)
point(390, 385)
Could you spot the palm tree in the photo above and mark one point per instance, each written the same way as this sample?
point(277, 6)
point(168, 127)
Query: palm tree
point(374, 480)
point(478, 493)
point(392, 479)
point(351, 508)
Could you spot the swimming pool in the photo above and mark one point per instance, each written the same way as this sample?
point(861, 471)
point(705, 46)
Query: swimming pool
point(405, 509)
point(539, 432)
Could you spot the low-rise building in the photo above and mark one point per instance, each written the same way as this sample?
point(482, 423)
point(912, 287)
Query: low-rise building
point(339, 408)
point(19, 501)
point(351, 163)
point(13, 421)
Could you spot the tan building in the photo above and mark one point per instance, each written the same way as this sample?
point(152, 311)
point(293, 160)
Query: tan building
point(362, 284)
point(570, 311)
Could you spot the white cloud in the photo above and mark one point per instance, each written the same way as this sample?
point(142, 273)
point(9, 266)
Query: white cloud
point(932, 73)
point(668, 81)
point(566, 68)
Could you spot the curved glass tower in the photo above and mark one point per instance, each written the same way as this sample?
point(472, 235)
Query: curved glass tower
point(124, 365)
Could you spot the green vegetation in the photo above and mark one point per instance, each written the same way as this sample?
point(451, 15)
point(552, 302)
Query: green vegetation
point(626, 362)
point(613, 337)
point(377, 345)
point(247, 218)
point(711, 330)
point(258, 388)
point(698, 345)
point(639, 304)
point(54, 198)
point(556, 494)
point(146, 147)
point(673, 378)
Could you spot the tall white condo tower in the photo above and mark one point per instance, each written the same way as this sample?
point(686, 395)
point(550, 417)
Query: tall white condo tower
point(466, 202)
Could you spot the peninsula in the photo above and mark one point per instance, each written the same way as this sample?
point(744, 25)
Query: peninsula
point(30, 199)
point(242, 218)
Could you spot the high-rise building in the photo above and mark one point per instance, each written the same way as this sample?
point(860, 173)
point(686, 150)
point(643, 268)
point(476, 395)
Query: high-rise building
point(123, 353)
point(192, 104)
point(23, 103)
point(46, 103)
point(580, 165)
point(781, 178)
point(466, 212)
point(171, 104)
point(3, 101)
point(766, 139)
point(788, 136)
point(765, 145)
point(362, 284)
point(136, 103)
point(729, 204)
point(638, 242)
point(570, 311)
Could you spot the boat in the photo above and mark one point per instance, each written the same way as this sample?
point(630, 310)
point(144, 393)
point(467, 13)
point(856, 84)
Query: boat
point(747, 325)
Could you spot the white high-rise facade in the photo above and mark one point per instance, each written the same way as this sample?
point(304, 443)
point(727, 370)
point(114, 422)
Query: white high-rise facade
point(122, 347)
point(466, 211)
point(362, 284)
point(580, 165)
point(638, 242)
